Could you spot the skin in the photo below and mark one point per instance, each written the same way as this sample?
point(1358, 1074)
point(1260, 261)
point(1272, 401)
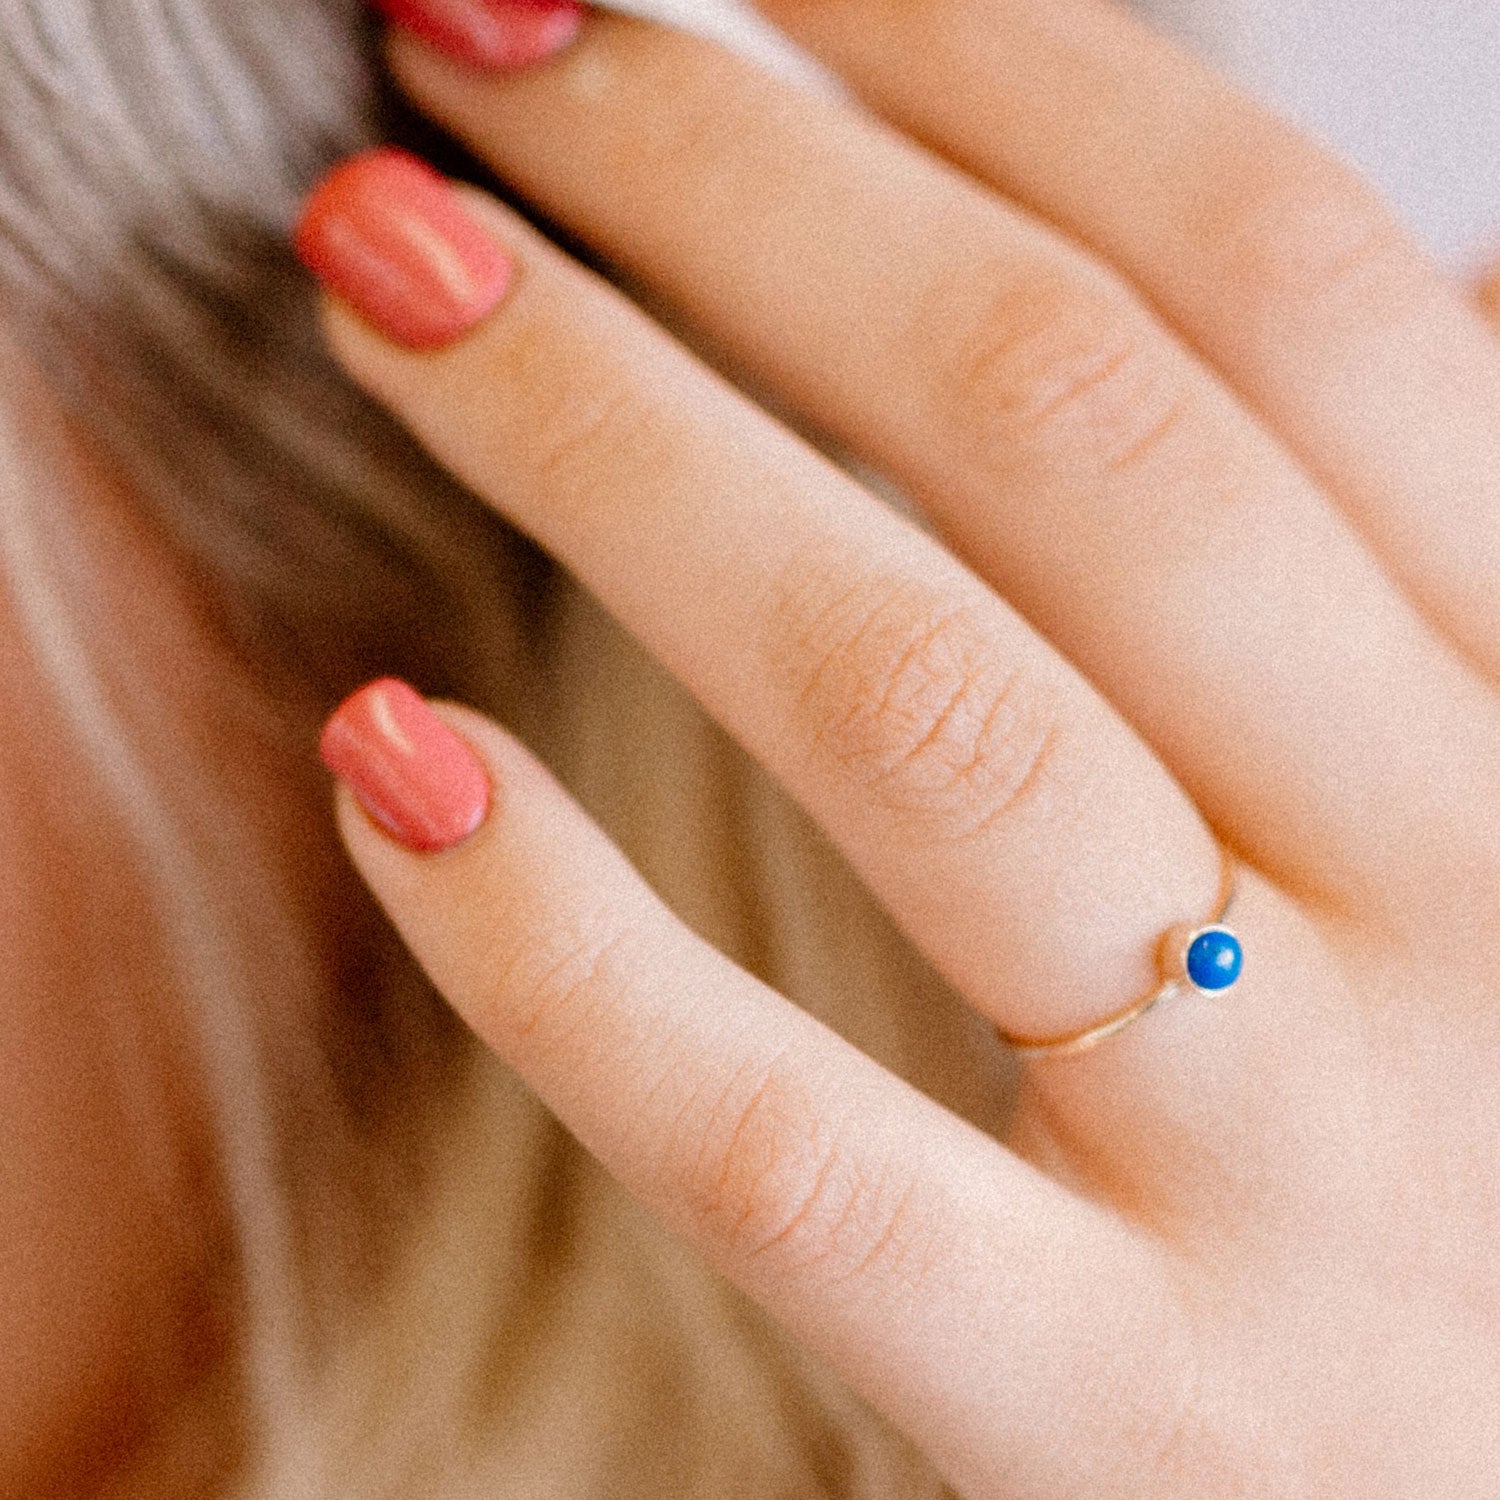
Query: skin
point(1212, 457)
point(1238, 471)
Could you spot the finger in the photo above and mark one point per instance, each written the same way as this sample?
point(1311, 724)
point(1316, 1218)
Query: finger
point(964, 1293)
point(1015, 827)
point(1274, 259)
point(1063, 441)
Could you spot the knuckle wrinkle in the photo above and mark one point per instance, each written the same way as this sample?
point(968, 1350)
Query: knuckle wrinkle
point(909, 700)
point(554, 997)
point(774, 1180)
point(1061, 378)
point(1300, 233)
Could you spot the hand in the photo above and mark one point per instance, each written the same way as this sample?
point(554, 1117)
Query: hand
point(1214, 460)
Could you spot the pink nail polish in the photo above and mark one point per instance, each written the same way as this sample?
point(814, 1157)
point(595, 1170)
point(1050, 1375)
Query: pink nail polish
point(490, 34)
point(388, 234)
point(414, 776)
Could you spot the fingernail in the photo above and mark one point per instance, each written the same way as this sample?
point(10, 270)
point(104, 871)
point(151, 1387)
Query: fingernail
point(413, 775)
point(490, 34)
point(388, 235)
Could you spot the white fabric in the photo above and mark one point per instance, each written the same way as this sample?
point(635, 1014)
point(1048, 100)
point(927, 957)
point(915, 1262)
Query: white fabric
point(1409, 91)
point(737, 25)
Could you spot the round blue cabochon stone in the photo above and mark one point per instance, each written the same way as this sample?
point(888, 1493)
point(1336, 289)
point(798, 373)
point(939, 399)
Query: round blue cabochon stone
point(1214, 959)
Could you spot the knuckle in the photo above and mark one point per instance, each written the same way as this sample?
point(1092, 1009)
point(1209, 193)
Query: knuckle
point(773, 1180)
point(904, 697)
point(1193, 1436)
point(552, 1000)
point(702, 130)
point(577, 438)
point(1046, 372)
point(563, 422)
point(1302, 234)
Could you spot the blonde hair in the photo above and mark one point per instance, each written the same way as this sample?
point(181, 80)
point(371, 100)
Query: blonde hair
point(439, 1293)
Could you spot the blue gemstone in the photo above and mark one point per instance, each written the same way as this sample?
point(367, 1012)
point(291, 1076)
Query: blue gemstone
point(1214, 959)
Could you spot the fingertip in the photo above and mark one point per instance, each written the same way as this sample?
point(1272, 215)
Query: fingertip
point(488, 36)
point(388, 235)
point(413, 774)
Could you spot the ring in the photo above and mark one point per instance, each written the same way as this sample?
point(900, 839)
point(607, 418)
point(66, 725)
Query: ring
point(1207, 958)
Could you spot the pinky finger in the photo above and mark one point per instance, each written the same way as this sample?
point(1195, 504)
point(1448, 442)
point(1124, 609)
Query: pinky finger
point(966, 1294)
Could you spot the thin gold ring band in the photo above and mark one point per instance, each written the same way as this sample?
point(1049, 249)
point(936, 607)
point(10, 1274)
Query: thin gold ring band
point(1172, 958)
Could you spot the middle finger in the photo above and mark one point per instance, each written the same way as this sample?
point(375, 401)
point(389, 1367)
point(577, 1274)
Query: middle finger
point(1062, 439)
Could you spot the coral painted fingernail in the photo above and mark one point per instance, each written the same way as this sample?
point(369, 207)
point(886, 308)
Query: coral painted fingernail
point(389, 235)
point(490, 34)
point(413, 775)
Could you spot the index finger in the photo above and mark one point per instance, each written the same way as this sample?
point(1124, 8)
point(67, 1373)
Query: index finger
point(967, 1295)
